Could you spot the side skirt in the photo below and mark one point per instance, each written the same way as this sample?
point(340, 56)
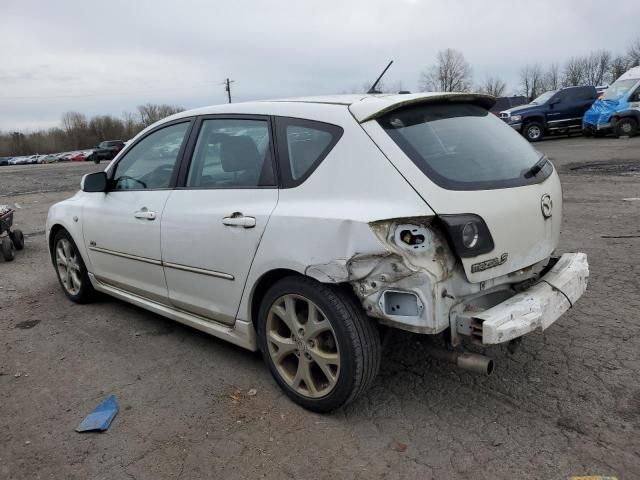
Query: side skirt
point(241, 333)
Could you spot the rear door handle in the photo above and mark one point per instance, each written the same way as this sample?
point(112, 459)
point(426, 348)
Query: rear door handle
point(145, 214)
point(239, 220)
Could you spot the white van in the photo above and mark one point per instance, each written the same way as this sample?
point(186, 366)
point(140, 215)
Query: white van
point(619, 108)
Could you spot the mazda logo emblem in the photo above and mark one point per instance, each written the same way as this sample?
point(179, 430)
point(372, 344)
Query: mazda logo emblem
point(546, 205)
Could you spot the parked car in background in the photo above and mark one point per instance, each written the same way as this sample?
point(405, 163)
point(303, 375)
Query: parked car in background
point(263, 229)
point(618, 110)
point(51, 158)
point(505, 103)
point(106, 150)
point(4, 161)
point(79, 156)
point(554, 112)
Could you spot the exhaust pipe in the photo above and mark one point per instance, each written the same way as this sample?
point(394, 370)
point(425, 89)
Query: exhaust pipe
point(471, 362)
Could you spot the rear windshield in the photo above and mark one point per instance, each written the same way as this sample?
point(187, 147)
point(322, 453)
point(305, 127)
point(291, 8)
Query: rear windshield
point(463, 147)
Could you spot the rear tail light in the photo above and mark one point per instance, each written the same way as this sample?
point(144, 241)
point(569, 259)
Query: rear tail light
point(468, 234)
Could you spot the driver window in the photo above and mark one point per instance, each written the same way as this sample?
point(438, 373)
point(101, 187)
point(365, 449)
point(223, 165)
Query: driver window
point(150, 163)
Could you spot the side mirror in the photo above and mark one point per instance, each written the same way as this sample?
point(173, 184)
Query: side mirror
point(94, 182)
point(555, 101)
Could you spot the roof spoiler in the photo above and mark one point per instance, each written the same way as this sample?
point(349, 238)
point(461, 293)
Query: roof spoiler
point(371, 108)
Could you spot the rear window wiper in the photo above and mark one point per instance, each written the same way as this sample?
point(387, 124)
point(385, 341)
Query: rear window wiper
point(535, 169)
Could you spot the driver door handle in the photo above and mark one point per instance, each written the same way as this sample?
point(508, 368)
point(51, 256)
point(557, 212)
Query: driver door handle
point(239, 220)
point(145, 214)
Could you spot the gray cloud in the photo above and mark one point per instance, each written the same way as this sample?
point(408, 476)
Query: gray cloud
point(112, 56)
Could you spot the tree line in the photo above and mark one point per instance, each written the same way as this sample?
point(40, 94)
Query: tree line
point(77, 131)
point(452, 73)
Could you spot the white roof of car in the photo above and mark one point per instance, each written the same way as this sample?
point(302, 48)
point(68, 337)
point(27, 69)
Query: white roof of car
point(363, 107)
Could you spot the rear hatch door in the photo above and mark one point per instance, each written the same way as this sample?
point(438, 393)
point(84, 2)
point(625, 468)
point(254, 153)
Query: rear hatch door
point(463, 160)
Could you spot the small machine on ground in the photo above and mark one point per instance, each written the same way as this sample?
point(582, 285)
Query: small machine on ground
point(10, 240)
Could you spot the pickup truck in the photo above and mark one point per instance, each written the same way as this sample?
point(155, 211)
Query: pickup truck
point(106, 150)
point(556, 111)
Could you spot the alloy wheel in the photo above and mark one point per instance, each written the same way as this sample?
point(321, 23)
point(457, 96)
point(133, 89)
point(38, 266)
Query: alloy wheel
point(302, 345)
point(68, 266)
point(534, 132)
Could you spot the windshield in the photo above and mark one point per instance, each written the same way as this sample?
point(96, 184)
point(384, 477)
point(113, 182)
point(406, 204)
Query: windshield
point(542, 99)
point(463, 147)
point(619, 89)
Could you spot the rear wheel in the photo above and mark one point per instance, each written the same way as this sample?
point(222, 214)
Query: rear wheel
point(320, 347)
point(8, 252)
point(71, 270)
point(533, 131)
point(626, 127)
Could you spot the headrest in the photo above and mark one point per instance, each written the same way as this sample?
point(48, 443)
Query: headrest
point(239, 153)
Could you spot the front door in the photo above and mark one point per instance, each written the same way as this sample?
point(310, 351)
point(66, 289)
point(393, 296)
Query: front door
point(213, 223)
point(122, 227)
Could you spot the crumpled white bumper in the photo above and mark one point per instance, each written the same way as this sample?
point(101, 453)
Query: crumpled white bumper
point(539, 306)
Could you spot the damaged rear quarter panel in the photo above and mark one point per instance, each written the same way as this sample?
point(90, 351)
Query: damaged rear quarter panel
point(322, 224)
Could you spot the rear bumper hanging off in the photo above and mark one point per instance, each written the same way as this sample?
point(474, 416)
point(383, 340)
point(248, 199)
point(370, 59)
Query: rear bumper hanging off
point(537, 307)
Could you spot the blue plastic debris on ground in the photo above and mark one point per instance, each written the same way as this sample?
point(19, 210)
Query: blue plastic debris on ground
point(101, 417)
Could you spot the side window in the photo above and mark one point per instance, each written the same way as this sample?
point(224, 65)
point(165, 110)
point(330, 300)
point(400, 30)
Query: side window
point(150, 162)
point(232, 153)
point(302, 145)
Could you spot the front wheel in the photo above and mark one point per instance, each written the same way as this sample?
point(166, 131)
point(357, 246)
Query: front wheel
point(71, 270)
point(533, 131)
point(626, 127)
point(321, 348)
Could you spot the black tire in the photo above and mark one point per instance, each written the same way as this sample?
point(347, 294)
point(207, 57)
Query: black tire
point(86, 292)
point(357, 336)
point(533, 131)
point(626, 127)
point(8, 252)
point(17, 237)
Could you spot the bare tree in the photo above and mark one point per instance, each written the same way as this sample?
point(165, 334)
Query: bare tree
point(574, 73)
point(451, 73)
point(551, 78)
point(74, 124)
point(493, 86)
point(617, 67)
point(79, 132)
point(633, 54)
point(151, 113)
point(531, 81)
point(596, 67)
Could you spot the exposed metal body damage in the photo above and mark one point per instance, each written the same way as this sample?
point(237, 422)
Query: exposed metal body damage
point(416, 283)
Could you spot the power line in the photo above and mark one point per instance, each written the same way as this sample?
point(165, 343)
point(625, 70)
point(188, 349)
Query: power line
point(102, 94)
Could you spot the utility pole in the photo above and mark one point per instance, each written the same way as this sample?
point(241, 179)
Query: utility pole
point(227, 88)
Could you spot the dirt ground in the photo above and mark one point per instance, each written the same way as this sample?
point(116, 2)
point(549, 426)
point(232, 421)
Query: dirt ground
point(566, 403)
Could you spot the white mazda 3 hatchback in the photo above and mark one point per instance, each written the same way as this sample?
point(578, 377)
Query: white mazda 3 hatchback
point(306, 228)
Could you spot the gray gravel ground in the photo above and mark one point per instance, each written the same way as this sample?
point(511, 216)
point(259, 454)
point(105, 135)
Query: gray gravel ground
point(566, 403)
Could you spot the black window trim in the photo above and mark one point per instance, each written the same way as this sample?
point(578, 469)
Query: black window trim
point(178, 163)
point(183, 172)
point(281, 123)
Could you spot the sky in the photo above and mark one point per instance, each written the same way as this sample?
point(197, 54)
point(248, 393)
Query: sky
point(108, 57)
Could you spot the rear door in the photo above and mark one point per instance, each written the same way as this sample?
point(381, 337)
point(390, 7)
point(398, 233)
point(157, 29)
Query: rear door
point(122, 227)
point(212, 224)
point(463, 160)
